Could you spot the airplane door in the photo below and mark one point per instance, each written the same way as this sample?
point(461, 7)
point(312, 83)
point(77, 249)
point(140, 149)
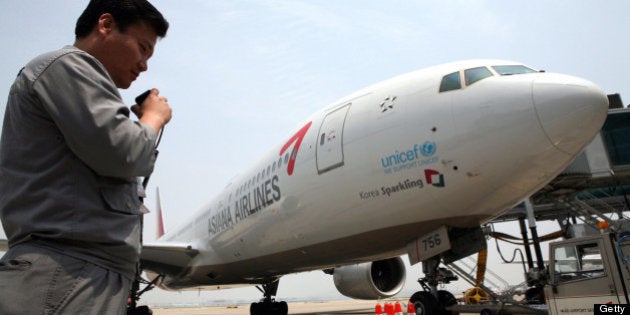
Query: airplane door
point(329, 150)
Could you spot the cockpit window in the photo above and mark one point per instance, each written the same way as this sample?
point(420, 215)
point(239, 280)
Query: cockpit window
point(512, 69)
point(451, 82)
point(475, 74)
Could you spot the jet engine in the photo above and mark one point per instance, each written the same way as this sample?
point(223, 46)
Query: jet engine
point(371, 280)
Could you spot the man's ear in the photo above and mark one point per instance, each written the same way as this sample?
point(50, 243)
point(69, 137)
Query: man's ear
point(106, 24)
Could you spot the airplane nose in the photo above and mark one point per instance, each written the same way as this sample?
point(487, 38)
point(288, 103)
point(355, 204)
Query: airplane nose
point(571, 110)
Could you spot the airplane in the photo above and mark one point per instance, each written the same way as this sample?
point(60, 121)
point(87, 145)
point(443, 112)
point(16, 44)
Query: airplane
point(411, 165)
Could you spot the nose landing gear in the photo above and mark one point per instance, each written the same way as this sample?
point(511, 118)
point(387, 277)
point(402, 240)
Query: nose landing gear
point(268, 305)
point(431, 300)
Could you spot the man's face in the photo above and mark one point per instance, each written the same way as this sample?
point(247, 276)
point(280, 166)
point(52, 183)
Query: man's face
point(125, 54)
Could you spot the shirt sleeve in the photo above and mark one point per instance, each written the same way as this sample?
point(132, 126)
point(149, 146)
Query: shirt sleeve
point(85, 105)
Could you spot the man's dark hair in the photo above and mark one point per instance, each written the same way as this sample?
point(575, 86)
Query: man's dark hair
point(125, 13)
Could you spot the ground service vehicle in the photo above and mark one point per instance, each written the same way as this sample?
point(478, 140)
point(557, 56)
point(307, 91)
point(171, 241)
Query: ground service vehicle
point(582, 271)
point(587, 271)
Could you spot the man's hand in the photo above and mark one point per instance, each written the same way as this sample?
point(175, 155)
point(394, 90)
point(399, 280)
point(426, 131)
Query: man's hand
point(154, 111)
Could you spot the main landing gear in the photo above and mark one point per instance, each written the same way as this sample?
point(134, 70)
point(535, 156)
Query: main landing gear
point(431, 300)
point(135, 293)
point(268, 305)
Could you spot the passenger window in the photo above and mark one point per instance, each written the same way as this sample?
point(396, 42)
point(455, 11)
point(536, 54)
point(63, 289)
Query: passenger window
point(451, 82)
point(475, 74)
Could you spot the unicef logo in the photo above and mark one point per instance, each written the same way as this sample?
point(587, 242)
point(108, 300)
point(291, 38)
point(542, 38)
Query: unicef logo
point(428, 148)
point(410, 158)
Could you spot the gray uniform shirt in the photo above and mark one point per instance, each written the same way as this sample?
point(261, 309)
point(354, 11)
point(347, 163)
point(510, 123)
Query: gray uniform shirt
point(69, 155)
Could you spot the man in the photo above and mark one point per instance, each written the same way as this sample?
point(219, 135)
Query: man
point(69, 158)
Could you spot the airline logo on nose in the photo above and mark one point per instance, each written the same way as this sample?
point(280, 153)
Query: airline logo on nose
point(296, 140)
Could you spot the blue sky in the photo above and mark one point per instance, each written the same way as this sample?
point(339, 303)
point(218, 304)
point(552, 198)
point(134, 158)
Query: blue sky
point(241, 75)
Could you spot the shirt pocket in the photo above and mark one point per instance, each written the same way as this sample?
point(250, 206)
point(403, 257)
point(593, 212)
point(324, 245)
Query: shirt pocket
point(121, 197)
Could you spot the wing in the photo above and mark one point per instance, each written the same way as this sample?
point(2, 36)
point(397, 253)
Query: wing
point(162, 258)
point(167, 258)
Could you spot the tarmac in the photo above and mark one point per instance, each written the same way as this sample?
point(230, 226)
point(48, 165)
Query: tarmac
point(343, 307)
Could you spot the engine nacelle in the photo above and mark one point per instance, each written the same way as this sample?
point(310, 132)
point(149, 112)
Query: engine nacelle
point(371, 280)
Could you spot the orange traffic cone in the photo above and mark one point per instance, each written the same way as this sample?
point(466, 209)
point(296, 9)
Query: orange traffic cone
point(389, 308)
point(378, 310)
point(398, 309)
point(411, 309)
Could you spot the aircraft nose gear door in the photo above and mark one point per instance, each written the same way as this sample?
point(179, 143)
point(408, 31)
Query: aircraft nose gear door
point(329, 142)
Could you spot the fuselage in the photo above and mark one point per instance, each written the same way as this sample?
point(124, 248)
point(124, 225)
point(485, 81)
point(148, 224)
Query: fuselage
point(454, 145)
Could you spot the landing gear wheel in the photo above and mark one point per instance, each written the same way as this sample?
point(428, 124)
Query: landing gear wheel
point(284, 308)
point(140, 310)
point(269, 308)
point(425, 303)
point(254, 309)
point(445, 299)
point(534, 296)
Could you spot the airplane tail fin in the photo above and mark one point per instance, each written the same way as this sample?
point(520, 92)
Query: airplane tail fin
point(159, 231)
